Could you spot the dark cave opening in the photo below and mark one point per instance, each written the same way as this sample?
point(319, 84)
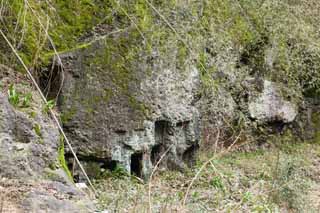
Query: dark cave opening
point(50, 80)
point(160, 131)
point(136, 164)
point(189, 156)
point(156, 153)
point(110, 165)
point(183, 124)
point(93, 166)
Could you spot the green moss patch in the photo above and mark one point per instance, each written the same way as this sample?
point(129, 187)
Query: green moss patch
point(62, 160)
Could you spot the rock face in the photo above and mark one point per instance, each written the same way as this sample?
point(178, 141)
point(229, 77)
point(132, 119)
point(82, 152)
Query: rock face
point(21, 148)
point(270, 106)
point(128, 114)
point(31, 178)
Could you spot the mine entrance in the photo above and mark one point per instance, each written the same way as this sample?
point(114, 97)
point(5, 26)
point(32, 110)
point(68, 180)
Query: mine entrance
point(161, 132)
point(136, 164)
point(161, 128)
point(93, 166)
point(156, 153)
point(189, 155)
point(50, 81)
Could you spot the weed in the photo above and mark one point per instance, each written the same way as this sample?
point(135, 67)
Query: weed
point(247, 197)
point(289, 185)
point(62, 160)
point(37, 129)
point(119, 172)
point(32, 114)
point(49, 106)
point(26, 100)
point(13, 96)
point(217, 183)
point(195, 195)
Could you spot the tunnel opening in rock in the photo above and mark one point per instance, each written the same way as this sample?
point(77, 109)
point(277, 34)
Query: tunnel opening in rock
point(93, 166)
point(50, 81)
point(161, 131)
point(136, 164)
point(189, 156)
point(183, 124)
point(156, 153)
point(276, 126)
point(109, 165)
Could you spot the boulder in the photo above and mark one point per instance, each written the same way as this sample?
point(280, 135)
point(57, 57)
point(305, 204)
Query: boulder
point(271, 106)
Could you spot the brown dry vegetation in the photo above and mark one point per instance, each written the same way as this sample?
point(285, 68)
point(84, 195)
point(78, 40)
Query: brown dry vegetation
point(279, 179)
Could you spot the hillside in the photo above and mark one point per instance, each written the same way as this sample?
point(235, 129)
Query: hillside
point(193, 106)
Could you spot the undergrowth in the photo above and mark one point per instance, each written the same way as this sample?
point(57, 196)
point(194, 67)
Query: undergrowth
point(263, 181)
point(270, 38)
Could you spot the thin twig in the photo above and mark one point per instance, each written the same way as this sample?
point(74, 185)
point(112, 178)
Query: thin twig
point(53, 46)
point(152, 173)
point(134, 23)
point(203, 166)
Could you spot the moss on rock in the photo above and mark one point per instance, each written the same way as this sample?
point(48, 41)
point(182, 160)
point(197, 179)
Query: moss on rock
point(62, 159)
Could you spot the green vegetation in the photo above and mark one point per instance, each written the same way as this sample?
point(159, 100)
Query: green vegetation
point(49, 106)
point(264, 181)
point(272, 39)
point(26, 100)
point(119, 173)
point(13, 96)
point(62, 160)
point(37, 129)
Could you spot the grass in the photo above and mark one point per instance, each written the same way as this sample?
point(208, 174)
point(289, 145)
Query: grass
point(263, 181)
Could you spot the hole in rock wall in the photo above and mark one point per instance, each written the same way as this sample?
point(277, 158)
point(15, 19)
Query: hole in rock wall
point(161, 133)
point(156, 153)
point(189, 156)
point(161, 129)
point(276, 126)
point(94, 167)
point(110, 165)
point(50, 81)
point(136, 164)
point(183, 124)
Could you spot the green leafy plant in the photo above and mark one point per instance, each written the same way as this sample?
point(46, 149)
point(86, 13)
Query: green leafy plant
point(217, 183)
point(49, 106)
point(247, 196)
point(26, 100)
point(119, 172)
point(32, 114)
point(37, 129)
point(13, 96)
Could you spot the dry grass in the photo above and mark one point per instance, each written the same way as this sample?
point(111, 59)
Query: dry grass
point(271, 180)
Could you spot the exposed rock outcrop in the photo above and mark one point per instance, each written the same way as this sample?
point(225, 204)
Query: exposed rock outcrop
point(31, 177)
point(271, 106)
point(128, 114)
